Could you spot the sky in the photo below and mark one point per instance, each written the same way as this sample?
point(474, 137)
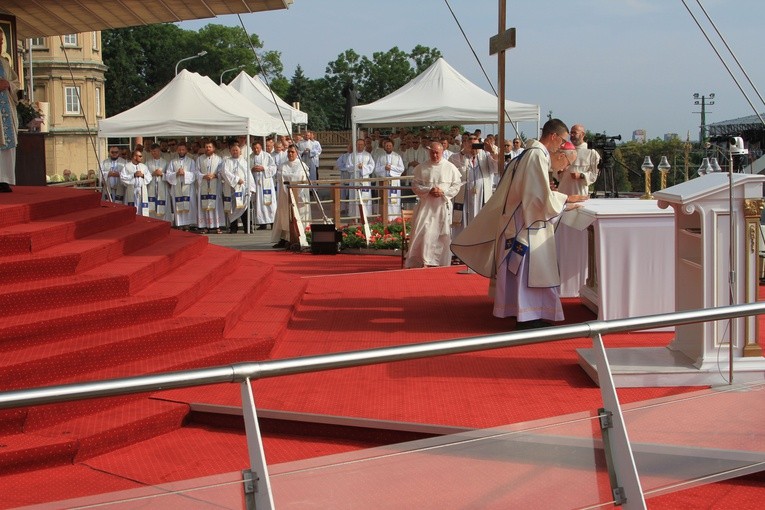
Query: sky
point(612, 65)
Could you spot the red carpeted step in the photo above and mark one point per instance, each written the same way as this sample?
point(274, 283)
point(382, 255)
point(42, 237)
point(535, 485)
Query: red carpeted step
point(213, 353)
point(271, 314)
point(82, 254)
point(265, 321)
point(111, 428)
point(46, 444)
point(196, 276)
point(37, 235)
point(117, 279)
point(79, 319)
point(24, 452)
point(237, 291)
point(28, 203)
point(72, 359)
point(12, 421)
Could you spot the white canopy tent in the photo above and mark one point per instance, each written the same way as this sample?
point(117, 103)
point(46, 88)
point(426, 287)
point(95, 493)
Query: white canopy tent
point(439, 96)
point(261, 95)
point(191, 105)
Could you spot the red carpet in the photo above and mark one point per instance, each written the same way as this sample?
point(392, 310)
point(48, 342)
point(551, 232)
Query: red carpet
point(91, 295)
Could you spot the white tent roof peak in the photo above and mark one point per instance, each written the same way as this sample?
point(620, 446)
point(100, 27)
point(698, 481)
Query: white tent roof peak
point(189, 104)
point(260, 94)
point(439, 95)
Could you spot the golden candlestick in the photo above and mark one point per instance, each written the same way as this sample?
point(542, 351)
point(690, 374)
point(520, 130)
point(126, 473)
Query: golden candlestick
point(647, 168)
point(663, 167)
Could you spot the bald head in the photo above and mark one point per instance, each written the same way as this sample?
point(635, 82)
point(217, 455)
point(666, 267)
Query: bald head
point(577, 134)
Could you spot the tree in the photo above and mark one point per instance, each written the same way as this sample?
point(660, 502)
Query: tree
point(141, 60)
point(630, 156)
point(373, 77)
point(424, 57)
point(385, 73)
point(308, 93)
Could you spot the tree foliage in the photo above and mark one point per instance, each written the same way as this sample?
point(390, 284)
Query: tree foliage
point(629, 157)
point(141, 60)
point(373, 77)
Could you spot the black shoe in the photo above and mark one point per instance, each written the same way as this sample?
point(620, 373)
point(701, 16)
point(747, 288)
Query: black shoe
point(262, 227)
point(534, 324)
point(281, 244)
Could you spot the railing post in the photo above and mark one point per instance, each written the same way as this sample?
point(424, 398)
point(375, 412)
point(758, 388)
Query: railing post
point(384, 192)
point(261, 484)
point(336, 205)
point(625, 481)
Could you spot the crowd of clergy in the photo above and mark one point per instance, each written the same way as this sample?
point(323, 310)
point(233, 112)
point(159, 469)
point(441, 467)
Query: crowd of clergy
point(211, 185)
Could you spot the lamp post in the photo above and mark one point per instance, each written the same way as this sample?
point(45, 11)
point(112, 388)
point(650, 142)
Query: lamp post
point(228, 70)
point(703, 101)
point(200, 54)
point(647, 168)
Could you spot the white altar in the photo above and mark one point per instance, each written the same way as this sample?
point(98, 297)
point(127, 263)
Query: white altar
point(617, 255)
point(712, 241)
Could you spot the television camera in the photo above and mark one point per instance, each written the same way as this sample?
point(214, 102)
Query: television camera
point(606, 145)
point(732, 146)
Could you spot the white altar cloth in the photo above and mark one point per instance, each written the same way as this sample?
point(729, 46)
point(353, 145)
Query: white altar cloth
point(634, 247)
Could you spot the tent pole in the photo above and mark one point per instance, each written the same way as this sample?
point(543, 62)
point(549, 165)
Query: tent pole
point(249, 175)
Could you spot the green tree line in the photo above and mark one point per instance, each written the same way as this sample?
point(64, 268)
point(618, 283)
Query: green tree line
point(141, 61)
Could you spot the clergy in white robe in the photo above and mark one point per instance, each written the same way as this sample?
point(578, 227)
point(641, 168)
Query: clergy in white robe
point(512, 241)
point(293, 171)
point(181, 174)
point(478, 169)
point(310, 150)
point(577, 178)
point(279, 155)
point(435, 182)
point(9, 122)
point(135, 176)
point(112, 188)
point(342, 166)
point(237, 186)
point(390, 164)
point(359, 165)
point(211, 216)
point(264, 192)
point(159, 194)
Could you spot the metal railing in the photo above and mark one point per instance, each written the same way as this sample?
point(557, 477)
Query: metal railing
point(627, 488)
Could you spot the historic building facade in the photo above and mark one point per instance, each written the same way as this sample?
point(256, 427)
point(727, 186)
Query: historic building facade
point(67, 75)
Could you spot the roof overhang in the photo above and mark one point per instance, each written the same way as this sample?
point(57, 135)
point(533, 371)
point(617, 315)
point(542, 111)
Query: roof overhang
point(39, 18)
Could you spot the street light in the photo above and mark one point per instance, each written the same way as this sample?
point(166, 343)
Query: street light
point(703, 101)
point(227, 70)
point(200, 54)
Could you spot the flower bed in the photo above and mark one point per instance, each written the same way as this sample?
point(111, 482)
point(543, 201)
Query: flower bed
point(382, 237)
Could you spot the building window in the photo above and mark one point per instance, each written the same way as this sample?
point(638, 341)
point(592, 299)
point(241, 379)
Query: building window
point(95, 41)
point(98, 101)
point(70, 40)
point(38, 42)
point(72, 100)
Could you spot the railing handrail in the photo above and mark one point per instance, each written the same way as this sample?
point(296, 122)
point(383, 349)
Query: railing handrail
point(240, 372)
